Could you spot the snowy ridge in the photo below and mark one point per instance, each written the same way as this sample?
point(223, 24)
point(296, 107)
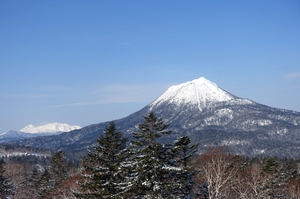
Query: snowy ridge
point(49, 128)
point(200, 92)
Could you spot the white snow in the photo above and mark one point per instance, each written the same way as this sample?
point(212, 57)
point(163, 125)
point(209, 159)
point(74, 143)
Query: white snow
point(282, 131)
point(14, 154)
point(225, 112)
point(200, 92)
point(235, 142)
point(242, 101)
point(49, 128)
point(259, 151)
point(258, 122)
point(264, 122)
point(4, 133)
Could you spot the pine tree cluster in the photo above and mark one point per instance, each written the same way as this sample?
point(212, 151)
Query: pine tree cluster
point(145, 168)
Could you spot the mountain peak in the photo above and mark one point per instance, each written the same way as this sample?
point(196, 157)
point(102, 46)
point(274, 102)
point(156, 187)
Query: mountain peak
point(50, 128)
point(207, 114)
point(200, 92)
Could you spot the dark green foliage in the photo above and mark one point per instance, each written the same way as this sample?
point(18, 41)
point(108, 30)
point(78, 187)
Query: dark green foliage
point(150, 161)
point(101, 173)
point(150, 130)
point(58, 168)
point(44, 184)
point(270, 166)
point(183, 150)
point(277, 174)
point(33, 181)
point(182, 178)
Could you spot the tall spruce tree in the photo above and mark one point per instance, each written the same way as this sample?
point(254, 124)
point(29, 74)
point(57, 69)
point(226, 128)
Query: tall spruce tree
point(150, 160)
point(101, 172)
point(58, 168)
point(182, 177)
point(45, 186)
point(33, 182)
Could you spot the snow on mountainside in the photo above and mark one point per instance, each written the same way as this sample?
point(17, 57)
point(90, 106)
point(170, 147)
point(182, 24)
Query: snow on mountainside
point(200, 92)
point(49, 128)
point(31, 131)
point(206, 113)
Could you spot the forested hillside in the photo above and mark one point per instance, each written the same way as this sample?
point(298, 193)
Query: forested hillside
point(146, 168)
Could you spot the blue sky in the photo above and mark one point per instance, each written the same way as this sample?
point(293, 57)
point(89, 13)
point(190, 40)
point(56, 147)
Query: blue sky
point(85, 62)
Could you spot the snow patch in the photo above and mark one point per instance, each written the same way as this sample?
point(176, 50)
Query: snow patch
point(259, 151)
point(282, 131)
point(258, 122)
point(220, 116)
point(235, 142)
point(264, 122)
point(225, 112)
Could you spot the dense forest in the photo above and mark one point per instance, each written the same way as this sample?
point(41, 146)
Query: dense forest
point(145, 168)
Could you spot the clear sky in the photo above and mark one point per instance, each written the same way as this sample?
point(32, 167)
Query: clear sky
point(85, 62)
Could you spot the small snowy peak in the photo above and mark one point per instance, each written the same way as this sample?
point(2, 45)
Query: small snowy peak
point(200, 92)
point(49, 128)
point(28, 128)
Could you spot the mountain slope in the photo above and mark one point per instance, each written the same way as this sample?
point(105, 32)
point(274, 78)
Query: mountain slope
point(14, 135)
point(209, 115)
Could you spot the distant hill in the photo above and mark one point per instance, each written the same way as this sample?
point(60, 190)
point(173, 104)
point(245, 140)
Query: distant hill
point(205, 112)
point(30, 131)
point(49, 128)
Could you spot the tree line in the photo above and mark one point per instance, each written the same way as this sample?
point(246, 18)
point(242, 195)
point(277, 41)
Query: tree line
point(144, 167)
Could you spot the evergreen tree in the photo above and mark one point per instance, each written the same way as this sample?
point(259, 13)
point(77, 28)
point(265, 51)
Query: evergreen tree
point(102, 174)
point(58, 168)
point(277, 174)
point(33, 182)
point(150, 160)
point(182, 177)
point(272, 185)
point(45, 186)
point(52, 178)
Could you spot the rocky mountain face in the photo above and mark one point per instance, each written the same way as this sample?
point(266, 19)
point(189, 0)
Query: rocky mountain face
point(209, 115)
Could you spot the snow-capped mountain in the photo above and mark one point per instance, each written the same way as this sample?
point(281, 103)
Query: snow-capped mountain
point(199, 92)
point(31, 131)
point(209, 115)
point(49, 128)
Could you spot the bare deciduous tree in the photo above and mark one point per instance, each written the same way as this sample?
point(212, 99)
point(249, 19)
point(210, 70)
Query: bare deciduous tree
point(217, 168)
point(247, 182)
point(294, 189)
